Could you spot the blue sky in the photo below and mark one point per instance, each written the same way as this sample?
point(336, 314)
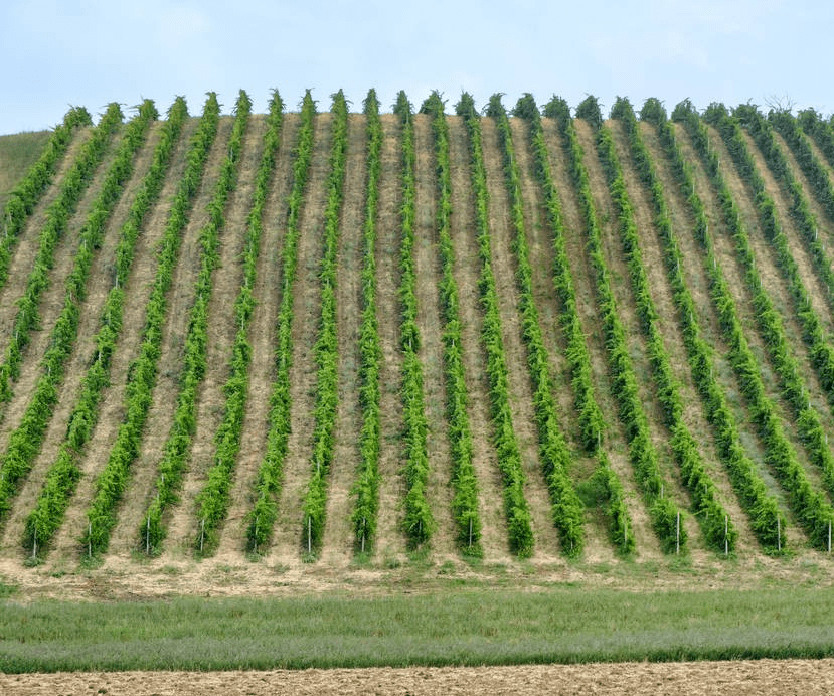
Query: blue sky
point(90, 53)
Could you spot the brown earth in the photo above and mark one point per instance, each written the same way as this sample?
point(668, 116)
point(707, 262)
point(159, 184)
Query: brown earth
point(807, 677)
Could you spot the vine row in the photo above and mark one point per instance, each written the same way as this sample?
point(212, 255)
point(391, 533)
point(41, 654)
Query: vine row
point(591, 422)
point(664, 514)
point(327, 348)
point(566, 508)
point(25, 441)
point(64, 473)
point(25, 195)
point(366, 487)
point(111, 483)
point(261, 519)
point(711, 515)
point(812, 511)
point(213, 500)
point(178, 443)
point(506, 443)
point(73, 185)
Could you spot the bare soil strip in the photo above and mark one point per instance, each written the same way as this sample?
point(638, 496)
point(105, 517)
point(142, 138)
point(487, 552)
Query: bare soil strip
point(518, 376)
point(389, 540)
point(494, 539)
point(262, 339)
point(742, 678)
point(306, 302)
point(337, 543)
point(427, 272)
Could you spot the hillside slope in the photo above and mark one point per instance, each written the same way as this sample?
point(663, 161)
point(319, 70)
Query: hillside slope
point(701, 297)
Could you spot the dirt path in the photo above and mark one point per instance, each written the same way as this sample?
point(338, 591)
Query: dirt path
point(389, 540)
point(742, 678)
point(337, 543)
point(262, 339)
point(427, 272)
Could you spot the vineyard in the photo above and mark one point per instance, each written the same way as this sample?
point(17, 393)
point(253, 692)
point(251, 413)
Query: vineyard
point(337, 339)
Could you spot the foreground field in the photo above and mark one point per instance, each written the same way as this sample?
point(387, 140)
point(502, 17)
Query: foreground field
point(338, 364)
point(741, 678)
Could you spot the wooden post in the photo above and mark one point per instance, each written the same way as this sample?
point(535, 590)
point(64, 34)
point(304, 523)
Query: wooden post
point(148, 537)
point(678, 534)
point(202, 533)
point(726, 546)
point(470, 532)
point(779, 532)
point(309, 534)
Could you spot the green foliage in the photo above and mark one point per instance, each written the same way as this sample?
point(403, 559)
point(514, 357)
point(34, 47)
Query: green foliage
point(178, 443)
point(418, 521)
point(326, 347)
point(74, 183)
point(711, 515)
point(566, 508)
point(643, 457)
point(366, 488)
point(261, 519)
point(589, 417)
point(506, 443)
point(45, 519)
point(23, 198)
point(25, 441)
point(812, 511)
point(111, 483)
point(213, 500)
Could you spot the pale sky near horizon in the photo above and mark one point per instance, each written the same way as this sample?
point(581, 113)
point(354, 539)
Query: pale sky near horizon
point(90, 53)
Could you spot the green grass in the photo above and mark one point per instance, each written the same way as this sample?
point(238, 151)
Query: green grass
point(17, 154)
point(468, 627)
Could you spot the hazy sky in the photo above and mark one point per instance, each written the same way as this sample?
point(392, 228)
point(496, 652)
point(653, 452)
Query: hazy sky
point(56, 54)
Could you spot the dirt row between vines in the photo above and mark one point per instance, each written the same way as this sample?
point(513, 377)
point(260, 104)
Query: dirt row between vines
point(808, 677)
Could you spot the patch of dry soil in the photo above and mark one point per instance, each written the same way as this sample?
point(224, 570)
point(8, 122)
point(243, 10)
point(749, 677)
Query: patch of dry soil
point(808, 677)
